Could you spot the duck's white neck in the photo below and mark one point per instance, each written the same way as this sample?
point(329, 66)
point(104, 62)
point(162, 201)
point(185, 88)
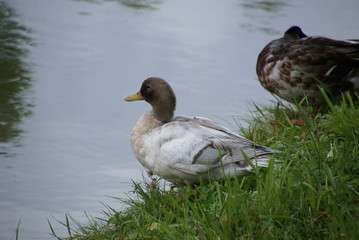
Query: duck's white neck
point(143, 126)
point(146, 123)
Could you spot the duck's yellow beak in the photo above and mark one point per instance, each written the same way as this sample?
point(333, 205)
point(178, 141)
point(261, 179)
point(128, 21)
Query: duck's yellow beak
point(135, 97)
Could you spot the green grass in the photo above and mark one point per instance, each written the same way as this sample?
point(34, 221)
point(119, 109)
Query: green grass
point(312, 194)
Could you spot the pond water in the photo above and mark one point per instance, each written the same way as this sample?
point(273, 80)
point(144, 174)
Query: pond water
point(66, 66)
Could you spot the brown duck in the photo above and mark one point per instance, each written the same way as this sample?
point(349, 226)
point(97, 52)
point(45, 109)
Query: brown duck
point(295, 66)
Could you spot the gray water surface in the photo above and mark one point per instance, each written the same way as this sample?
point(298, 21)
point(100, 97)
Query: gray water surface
point(66, 67)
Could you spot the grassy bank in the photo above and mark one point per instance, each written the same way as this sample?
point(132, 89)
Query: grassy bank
point(312, 194)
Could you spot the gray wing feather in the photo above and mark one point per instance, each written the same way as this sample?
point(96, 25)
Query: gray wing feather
point(224, 146)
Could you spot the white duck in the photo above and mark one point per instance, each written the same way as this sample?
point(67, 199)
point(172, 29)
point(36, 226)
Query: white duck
point(188, 150)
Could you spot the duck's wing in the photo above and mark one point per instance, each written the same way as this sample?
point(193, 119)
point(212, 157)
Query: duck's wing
point(331, 62)
point(322, 52)
point(211, 145)
point(349, 47)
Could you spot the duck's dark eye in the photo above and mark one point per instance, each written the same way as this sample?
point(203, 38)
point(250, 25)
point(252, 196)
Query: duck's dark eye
point(146, 88)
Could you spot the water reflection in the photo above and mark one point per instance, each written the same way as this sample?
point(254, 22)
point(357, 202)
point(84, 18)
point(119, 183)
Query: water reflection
point(135, 4)
point(268, 6)
point(140, 4)
point(14, 77)
point(264, 10)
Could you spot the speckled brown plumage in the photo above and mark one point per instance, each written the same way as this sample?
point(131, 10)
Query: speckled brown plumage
point(296, 65)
